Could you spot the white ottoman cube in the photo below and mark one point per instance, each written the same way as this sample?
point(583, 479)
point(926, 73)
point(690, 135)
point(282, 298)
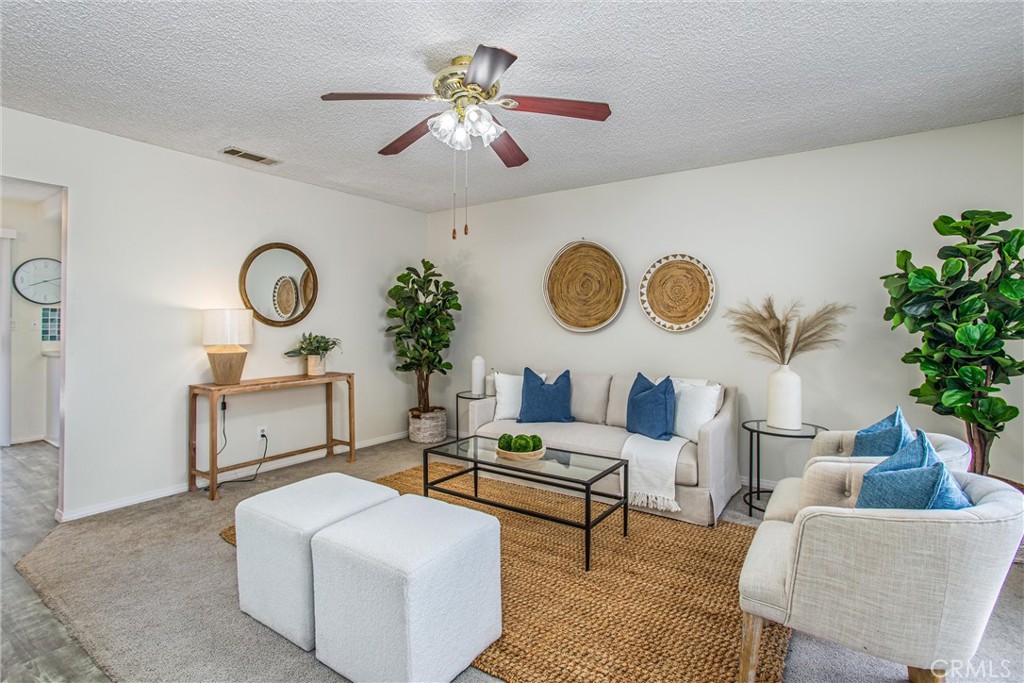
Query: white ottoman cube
point(273, 531)
point(409, 590)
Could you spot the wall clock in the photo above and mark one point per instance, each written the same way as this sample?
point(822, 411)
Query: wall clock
point(38, 280)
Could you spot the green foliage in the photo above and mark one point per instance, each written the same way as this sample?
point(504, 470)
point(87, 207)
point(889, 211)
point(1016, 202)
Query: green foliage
point(423, 305)
point(314, 345)
point(965, 312)
point(537, 443)
point(522, 444)
point(505, 442)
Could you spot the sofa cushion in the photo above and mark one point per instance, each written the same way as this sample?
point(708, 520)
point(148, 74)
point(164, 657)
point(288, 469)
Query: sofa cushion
point(651, 409)
point(695, 407)
point(581, 437)
point(546, 402)
point(618, 399)
point(589, 399)
point(508, 390)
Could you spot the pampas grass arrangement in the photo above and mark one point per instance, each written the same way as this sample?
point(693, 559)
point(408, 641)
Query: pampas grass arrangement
point(780, 334)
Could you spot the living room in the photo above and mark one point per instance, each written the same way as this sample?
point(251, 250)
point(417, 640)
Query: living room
point(792, 150)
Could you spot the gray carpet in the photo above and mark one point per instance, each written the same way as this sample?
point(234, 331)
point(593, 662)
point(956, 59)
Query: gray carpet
point(150, 593)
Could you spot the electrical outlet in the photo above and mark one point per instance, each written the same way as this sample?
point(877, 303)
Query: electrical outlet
point(261, 434)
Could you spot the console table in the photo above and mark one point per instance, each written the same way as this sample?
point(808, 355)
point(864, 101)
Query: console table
point(214, 393)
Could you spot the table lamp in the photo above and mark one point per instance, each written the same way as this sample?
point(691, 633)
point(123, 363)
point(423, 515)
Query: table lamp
point(224, 330)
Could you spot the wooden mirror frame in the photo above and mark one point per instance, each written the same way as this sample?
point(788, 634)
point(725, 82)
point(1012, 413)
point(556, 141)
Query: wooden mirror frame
point(245, 271)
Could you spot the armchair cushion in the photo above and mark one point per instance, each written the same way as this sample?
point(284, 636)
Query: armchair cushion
point(916, 488)
point(885, 437)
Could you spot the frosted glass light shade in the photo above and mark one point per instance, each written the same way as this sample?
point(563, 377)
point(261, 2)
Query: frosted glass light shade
point(461, 139)
point(223, 326)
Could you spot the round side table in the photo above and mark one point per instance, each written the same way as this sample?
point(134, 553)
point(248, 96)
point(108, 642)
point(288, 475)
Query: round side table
point(465, 396)
point(755, 429)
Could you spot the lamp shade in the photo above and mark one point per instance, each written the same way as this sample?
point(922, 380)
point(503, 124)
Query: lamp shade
point(222, 326)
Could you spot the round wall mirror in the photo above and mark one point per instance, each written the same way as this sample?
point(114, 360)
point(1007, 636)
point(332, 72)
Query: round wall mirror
point(278, 283)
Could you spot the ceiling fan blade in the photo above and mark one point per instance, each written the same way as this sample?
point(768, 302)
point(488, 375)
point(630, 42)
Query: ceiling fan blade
point(488, 65)
point(347, 96)
point(577, 109)
point(410, 136)
point(508, 150)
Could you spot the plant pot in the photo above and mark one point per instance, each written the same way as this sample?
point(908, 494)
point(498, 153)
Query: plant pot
point(784, 400)
point(429, 427)
point(315, 366)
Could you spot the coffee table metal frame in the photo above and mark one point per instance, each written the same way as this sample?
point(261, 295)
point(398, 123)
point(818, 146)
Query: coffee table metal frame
point(510, 469)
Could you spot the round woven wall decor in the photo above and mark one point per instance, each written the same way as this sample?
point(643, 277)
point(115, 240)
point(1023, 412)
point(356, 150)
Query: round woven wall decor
point(584, 286)
point(306, 285)
point(285, 296)
point(676, 292)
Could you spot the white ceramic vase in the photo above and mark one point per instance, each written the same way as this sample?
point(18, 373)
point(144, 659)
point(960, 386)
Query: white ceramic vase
point(315, 366)
point(784, 399)
point(479, 370)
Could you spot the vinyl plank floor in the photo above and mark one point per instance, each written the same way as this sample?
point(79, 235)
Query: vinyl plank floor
point(34, 646)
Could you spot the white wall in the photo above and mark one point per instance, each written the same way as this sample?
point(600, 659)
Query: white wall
point(38, 236)
point(819, 226)
point(154, 236)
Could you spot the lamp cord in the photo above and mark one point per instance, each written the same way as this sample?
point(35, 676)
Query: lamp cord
point(224, 436)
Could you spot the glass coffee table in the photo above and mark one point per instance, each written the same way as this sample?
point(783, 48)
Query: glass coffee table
point(562, 469)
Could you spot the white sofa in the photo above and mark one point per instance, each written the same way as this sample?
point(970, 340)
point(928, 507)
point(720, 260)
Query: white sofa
point(707, 472)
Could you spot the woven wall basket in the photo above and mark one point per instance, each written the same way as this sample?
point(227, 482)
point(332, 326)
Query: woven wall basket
point(584, 286)
point(676, 292)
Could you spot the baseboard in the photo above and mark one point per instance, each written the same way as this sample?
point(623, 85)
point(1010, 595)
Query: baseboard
point(28, 439)
point(88, 511)
point(52, 441)
point(766, 484)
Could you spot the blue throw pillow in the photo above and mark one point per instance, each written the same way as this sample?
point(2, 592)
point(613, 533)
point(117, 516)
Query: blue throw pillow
point(885, 437)
point(545, 402)
point(917, 453)
point(651, 409)
point(917, 488)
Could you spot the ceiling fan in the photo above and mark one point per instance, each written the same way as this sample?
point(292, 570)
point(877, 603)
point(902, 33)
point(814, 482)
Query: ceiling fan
point(466, 84)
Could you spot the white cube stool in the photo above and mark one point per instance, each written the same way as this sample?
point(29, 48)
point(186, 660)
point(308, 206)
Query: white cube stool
point(273, 531)
point(409, 590)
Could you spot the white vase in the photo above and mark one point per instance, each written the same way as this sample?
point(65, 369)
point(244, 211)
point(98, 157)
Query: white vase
point(315, 366)
point(784, 399)
point(479, 369)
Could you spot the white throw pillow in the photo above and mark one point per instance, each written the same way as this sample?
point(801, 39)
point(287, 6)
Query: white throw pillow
point(508, 392)
point(686, 380)
point(695, 407)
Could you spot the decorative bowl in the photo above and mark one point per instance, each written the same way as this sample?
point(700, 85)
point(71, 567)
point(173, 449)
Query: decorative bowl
point(521, 457)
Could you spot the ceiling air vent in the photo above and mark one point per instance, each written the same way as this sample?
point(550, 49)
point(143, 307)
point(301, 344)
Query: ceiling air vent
point(249, 156)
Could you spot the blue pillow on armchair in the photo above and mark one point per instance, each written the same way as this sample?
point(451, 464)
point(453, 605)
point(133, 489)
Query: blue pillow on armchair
point(912, 479)
point(546, 402)
point(651, 409)
point(885, 437)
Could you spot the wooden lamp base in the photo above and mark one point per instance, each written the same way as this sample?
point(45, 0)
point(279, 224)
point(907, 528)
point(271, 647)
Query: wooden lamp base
point(227, 363)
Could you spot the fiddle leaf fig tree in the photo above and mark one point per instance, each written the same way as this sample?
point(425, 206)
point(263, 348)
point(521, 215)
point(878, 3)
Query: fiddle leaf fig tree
point(965, 310)
point(423, 305)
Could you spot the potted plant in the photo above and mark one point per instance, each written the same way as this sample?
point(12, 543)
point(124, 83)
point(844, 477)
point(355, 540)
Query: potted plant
point(966, 311)
point(423, 306)
point(315, 348)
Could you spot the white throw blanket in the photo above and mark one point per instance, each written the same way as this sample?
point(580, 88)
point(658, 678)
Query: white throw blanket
point(652, 471)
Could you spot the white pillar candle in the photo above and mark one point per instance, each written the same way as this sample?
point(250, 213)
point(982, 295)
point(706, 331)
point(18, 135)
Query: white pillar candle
point(489, 385)
point(479, 369)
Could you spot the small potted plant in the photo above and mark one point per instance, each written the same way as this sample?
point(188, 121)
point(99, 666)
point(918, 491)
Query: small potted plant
point(314, 347)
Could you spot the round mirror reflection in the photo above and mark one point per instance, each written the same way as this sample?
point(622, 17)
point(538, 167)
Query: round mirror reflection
point(278, 283)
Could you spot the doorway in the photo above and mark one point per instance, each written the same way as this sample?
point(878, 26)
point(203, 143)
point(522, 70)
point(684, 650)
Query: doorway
point(32, 289)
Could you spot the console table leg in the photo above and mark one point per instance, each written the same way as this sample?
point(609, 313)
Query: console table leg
point(352, 419)
point(329, 391)
point(214, 399)
point(192, 399)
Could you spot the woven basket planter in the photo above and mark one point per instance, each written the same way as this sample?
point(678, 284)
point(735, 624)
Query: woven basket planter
point(429, 427)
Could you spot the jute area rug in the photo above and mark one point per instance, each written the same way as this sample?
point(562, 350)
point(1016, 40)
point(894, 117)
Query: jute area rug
point(660, 605)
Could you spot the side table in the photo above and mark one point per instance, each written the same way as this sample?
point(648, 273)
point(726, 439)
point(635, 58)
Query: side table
point(465, 396)
point(755, 429)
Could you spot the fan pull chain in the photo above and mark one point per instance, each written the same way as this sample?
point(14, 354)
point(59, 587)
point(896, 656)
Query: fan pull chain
point(465, 226)
point(455, 166)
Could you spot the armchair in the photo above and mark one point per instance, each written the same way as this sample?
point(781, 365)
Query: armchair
point(915, 587)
